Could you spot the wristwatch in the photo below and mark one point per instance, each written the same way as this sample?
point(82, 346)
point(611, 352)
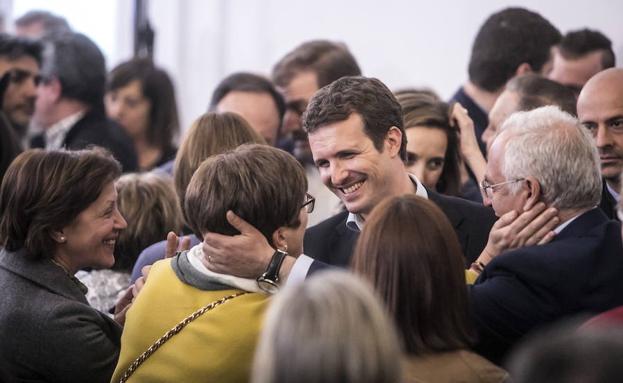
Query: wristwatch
point(269, 281)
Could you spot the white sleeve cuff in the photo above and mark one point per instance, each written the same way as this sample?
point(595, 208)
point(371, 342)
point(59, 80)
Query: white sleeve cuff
point(299, 270)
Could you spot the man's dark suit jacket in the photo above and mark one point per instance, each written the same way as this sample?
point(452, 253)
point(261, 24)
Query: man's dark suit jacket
point(332, 243)
point(95, 129)
point(580, 271)
point(608, 204)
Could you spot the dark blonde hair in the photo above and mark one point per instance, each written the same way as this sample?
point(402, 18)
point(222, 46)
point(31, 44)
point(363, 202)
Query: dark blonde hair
point(421, 109)
point(210, 134)
point(149, 204)
point(44, 191)
point(263, 185)
point(409, 251)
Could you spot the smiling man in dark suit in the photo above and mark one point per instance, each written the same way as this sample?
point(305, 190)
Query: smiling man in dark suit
point(358, 143)
point(357, 138)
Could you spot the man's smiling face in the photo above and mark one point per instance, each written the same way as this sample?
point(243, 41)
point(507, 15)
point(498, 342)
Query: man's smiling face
point(351, 166)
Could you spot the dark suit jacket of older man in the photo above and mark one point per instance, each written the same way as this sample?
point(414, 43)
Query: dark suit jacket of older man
point(580, 271)
point(48, 331)
point(332, 243)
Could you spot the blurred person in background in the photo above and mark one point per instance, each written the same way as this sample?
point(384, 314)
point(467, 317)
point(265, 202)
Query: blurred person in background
point(210, 134)
point(36, 24)
point(511, 42)
point(254, 98)
point(580, 55)
point(20, 59)
point(432, 143)
point(70, 100)
point(141, 98)
point(600, 110)
point(330, 329)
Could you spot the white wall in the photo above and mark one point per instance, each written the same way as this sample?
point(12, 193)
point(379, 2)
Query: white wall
point(404, 43)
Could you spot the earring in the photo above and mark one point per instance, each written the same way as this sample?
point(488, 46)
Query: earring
point(285, 248)
point(62, 239)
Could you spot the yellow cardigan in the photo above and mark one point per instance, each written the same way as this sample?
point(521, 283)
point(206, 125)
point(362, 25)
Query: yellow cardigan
point(216, 347)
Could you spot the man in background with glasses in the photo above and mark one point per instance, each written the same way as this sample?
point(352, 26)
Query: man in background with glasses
point(20, 61)
point(545, 157)
point(600, 109)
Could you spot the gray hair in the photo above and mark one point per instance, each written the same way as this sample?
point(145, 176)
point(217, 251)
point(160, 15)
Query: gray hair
point(331, 328)
point(552, 146)
point(79, 66)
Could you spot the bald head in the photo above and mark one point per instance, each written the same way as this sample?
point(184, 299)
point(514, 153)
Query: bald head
point(600, 109)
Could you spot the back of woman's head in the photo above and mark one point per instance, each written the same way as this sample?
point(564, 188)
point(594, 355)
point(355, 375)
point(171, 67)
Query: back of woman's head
point(263, 185)
point(43, 191)
point(157, 87)
point(149, 204)
point(332, 328)
point(210, 134)
point(408, 250)
point(421, 109)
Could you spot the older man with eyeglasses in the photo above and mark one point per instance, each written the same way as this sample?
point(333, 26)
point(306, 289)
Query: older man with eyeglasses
point(545, 157)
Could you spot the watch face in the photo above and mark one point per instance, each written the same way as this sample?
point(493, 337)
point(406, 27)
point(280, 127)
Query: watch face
point(267, 285)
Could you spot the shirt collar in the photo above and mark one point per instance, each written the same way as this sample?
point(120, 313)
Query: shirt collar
point(613, 192)
point(563, 225)
point(56, 133)
point(194, 257)
point(355, 221)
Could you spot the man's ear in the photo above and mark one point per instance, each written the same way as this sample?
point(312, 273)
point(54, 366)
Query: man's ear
point(533, 189)
point(55, 88)
point(393, 141)
point(523, 68)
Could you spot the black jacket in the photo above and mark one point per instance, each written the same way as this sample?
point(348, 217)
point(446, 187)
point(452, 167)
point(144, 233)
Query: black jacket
point(96, 129)
point(332, 243)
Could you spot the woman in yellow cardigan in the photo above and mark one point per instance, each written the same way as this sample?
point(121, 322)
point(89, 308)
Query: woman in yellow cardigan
point(265, 186)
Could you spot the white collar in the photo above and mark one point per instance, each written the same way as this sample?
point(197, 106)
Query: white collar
point(195, 255)
point(613, 192)
point(355, 221)
point(56, 133)
point(563, 225)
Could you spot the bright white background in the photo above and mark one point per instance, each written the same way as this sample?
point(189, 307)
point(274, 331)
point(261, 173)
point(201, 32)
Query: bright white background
point(404, 43)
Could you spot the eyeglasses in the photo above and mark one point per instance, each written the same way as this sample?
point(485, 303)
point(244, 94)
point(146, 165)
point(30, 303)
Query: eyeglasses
point(488, 188)
point(309, 203)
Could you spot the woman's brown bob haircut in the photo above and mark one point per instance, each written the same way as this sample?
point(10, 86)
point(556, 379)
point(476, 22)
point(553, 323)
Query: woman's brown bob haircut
point(43, 191)
point(263, 185)
point(409, 252)
point(210, 134)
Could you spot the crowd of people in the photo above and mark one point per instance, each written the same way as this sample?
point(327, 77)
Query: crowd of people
point(313, 225)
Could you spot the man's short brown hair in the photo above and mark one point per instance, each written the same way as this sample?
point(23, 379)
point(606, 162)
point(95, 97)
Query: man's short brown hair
point(368, 97)
point(44, 191)
point(327, 59)
point(264, 185)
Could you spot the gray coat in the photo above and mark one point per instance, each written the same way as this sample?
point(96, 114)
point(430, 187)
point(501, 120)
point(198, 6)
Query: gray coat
point(48, 331)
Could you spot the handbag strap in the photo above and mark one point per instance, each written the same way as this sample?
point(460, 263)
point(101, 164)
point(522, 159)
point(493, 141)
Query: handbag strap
point(169, 334)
